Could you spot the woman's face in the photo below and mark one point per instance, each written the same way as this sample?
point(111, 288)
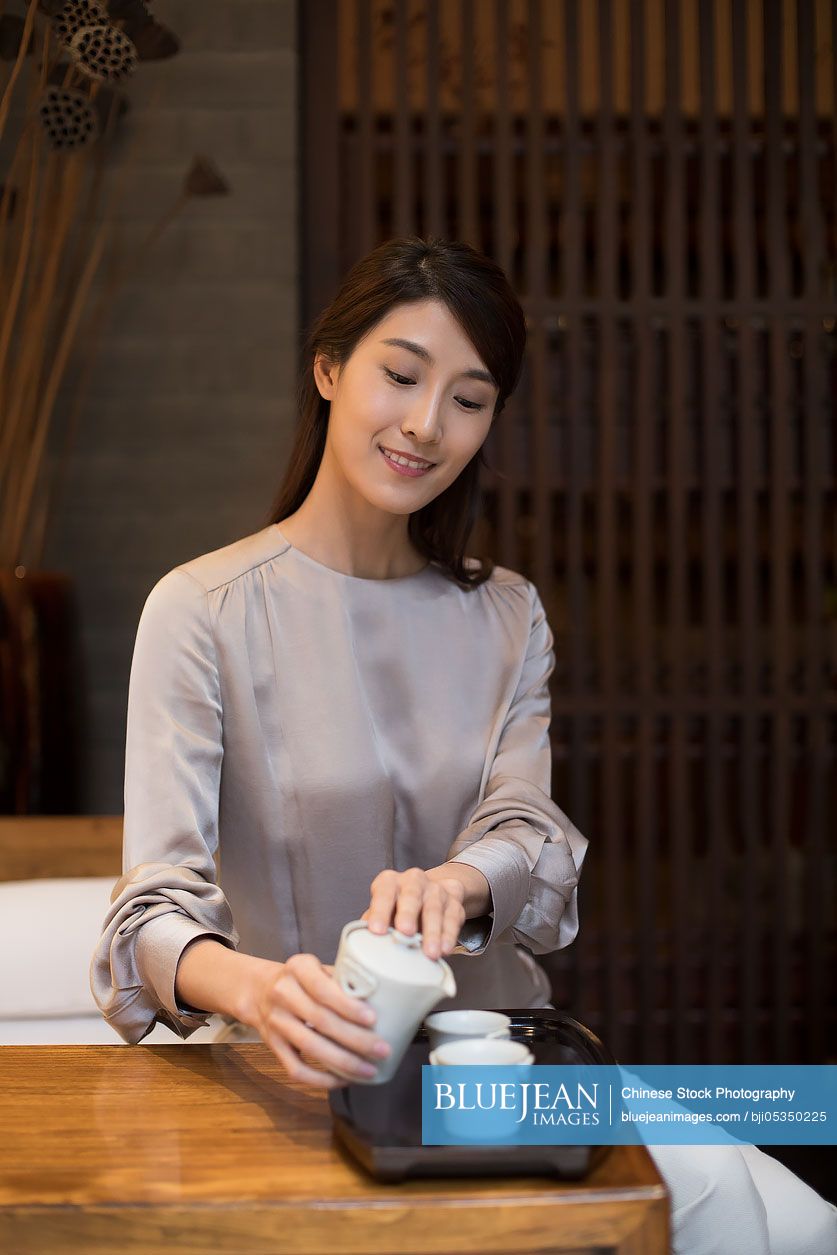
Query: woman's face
point(427, 402)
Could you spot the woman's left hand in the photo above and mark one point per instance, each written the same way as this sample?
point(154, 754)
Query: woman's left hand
point(416, 900)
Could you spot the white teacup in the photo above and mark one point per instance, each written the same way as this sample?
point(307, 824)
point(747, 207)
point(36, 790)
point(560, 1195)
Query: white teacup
point(476, 1050)
point(449, 1026)
point(496, 1125)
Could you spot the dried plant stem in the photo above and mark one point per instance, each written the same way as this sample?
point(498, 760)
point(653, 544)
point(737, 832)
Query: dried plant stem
point(37, 334)
point(6, 202)
point(27, 209)
point(45, 408)
point(103, 305)
point(92, 337)
point(10, 311)
point(49, 261)
point(36, 86)
point(18, 65)
point(76, 263)
point(31, 322)
point(21, 366)
point(33, 333)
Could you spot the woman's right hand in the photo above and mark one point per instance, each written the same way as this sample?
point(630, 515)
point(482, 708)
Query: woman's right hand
point(298, 1008)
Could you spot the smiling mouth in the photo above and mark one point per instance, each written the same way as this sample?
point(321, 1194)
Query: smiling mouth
point(402, 459)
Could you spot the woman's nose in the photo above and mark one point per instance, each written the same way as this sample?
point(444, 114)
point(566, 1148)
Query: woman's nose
point(424, 422)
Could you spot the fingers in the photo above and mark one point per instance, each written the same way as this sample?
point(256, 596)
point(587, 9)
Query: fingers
point(309, 1013)
point(432, 915)
point(411, 897)
point(452, 923)
point(410, 901)
point(322, 1050)
point(319, 982)
point(397, 898)
point(299, 1071)
point(384, 893)
point(442, 918)
point(454, 914)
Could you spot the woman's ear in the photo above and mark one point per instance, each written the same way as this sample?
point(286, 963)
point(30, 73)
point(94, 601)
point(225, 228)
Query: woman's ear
point(326, 375)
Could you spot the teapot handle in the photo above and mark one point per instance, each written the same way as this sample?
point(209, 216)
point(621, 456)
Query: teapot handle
point(354, 979)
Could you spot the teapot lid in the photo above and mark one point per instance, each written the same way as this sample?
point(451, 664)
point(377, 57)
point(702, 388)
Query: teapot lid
point(395, 955)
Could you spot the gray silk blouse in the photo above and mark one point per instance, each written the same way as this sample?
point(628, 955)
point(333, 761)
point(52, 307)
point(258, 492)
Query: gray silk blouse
point(292, 731)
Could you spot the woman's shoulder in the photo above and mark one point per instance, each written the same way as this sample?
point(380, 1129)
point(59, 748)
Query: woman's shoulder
point(504, 582)
point(502, 575)
point(180, 596)
point(221, 566)
point(506, 595)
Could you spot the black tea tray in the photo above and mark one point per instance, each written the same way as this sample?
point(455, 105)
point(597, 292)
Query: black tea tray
point(380, 1125)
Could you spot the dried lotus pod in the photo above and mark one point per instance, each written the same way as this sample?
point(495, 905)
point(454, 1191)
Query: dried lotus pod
point(104, 52)
point(68, 118)
point(75, 14)
point(106, 101)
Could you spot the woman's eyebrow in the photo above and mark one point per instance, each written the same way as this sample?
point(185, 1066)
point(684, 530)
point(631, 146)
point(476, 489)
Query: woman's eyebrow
point(421, 351)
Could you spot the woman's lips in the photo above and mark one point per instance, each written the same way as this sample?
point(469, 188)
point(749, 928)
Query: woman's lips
point(413, 472)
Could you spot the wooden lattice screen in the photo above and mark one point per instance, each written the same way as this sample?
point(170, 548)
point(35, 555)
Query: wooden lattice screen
point(658, 181)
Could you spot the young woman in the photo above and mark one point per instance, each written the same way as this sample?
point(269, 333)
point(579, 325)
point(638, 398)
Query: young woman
point(354, 716)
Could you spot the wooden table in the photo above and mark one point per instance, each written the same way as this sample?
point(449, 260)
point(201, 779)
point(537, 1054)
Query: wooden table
point(206, 1149)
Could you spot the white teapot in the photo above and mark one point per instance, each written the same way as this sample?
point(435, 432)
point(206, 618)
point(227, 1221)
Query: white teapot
point(392, 974)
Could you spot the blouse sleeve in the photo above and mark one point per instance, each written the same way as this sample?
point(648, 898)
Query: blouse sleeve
point(525, 846)
point(167, 895)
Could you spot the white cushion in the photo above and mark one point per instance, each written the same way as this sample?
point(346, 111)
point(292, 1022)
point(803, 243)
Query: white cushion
point(94, 1030)
point(48, 932)
point(64, 1030)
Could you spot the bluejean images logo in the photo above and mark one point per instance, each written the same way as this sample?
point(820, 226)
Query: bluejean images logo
point(499, 1104)
point(598, 1104)
point(544, 1104)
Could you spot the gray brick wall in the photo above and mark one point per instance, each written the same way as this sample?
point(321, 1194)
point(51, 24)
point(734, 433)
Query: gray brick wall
point(188, 422)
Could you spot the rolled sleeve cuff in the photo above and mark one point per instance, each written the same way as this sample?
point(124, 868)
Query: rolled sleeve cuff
point(160, 944)
point(508, 875)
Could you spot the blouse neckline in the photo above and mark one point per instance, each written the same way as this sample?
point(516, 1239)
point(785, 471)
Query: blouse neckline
point(357, 579)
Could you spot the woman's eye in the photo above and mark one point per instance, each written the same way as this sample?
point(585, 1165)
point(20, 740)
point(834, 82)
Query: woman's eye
point(400, 379)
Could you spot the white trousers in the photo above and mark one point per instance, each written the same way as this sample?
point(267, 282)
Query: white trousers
point(736, 1200)
point(725, 1200)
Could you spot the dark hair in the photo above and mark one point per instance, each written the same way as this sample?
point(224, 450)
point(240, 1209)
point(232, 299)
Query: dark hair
point(478, 294)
